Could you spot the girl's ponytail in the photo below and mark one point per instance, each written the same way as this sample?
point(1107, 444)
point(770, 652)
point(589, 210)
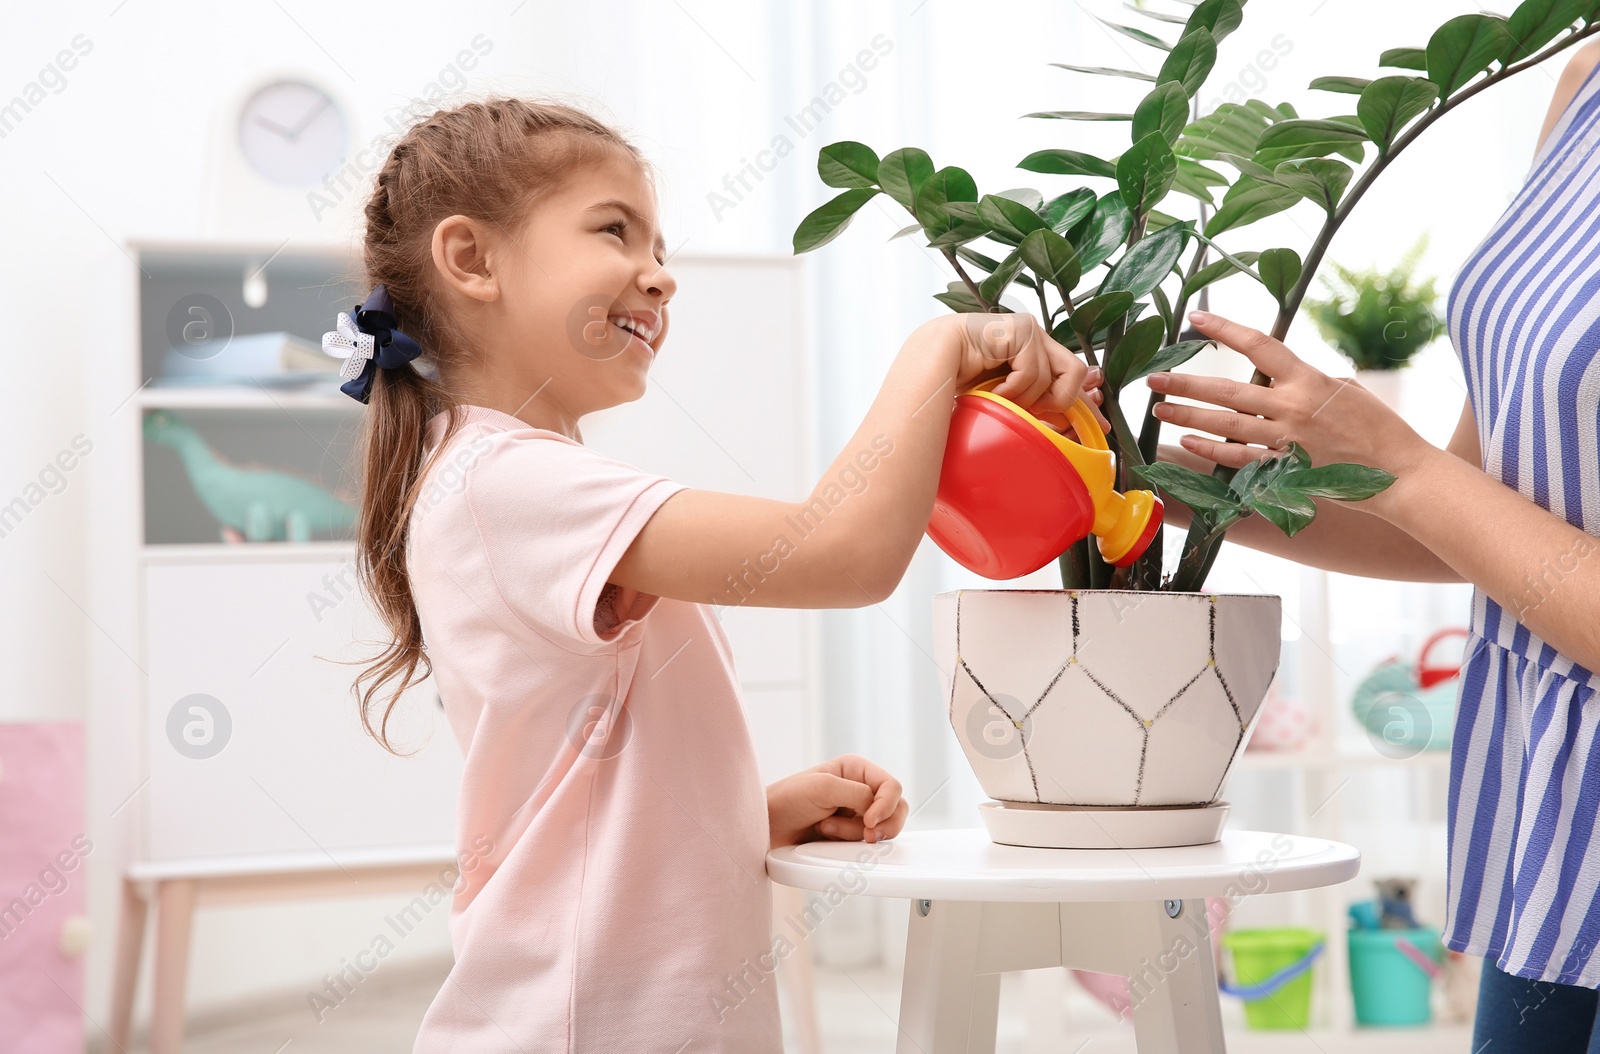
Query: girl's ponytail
point(490, 160)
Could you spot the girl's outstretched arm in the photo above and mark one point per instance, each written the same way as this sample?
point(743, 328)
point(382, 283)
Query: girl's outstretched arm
point(849, 542)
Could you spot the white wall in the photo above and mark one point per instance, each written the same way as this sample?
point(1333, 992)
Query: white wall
point(134, 146)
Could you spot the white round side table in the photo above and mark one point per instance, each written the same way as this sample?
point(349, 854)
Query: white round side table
point(980, 909)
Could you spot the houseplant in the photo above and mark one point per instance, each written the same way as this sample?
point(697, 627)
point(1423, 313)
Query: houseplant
point(1378, 319)
point(1240, 163)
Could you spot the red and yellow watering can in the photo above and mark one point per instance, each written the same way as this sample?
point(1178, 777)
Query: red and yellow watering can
point(1014, 493)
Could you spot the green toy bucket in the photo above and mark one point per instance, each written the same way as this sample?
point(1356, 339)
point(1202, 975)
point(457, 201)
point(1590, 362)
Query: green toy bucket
point(1392, 974)
point(1272, 974)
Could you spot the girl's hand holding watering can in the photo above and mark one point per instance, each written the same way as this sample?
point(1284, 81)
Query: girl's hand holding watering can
point(1040, 374)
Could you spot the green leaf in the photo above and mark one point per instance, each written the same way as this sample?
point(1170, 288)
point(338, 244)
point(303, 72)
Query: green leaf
point(1052, 258)
point(1098, 312)
point(1345, 85)
point(1194, 179)
point(1008, 216)
point(1106, 71)
point(1164, 110)
point(1145, 172)
point(1289, 510)
point(991, 287)
point(1305, 137)
point(946, 185)
point(1080, 115)
point(914, 228)
point(1197, 490)
point(1190, 60)
point(1218, 270)
point(1537, 22)
point(1405, 58)
point(1464, 47)
point(963, 232)
point(825, 223)
point(902, 173)
point(1026, 195)
point(1137, 34)
point(1221, 17)
point(1137, 346)
point(1279, 270)
point(1247, 201)
point(848, 164)
point(1322, 179)
point(1390, 103)
point(1148, 261)
point(1062, 213)
point(957, 297)
point(1067, 163)
point(1341, 481)
point(1169, 357)
point(1232, 128)
point(1108, 228)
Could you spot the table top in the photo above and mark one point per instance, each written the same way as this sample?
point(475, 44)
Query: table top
point(963, 864)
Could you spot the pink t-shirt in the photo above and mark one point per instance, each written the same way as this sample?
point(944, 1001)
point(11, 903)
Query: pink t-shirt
point(623, 903)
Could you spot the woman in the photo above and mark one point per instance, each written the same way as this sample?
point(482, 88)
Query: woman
point(1512, 506)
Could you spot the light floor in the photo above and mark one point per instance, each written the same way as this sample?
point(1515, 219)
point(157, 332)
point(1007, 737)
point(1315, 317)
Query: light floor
point(857, 1010)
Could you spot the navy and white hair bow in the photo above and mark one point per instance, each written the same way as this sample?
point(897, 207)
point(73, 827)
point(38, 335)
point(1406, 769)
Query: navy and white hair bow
point(367, 341)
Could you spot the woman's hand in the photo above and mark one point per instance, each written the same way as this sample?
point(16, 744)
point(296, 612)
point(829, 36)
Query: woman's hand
point(846, 799)
point(1334, 419)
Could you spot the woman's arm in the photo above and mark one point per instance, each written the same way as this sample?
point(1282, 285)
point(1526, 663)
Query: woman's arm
point(1342, 538)
point(1347, 538)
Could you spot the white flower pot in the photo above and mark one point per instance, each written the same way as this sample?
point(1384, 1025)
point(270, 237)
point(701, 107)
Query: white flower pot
point(1104, 717)
point(1388, 385)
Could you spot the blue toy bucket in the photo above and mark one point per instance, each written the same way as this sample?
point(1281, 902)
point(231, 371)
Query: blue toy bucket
point(1392, 974)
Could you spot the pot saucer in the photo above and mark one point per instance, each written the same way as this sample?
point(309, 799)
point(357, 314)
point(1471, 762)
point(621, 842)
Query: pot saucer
point(1102, 827)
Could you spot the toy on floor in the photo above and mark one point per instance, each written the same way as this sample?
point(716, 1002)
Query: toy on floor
point(1394, 903)
point(252, 504)
point(1394, 959)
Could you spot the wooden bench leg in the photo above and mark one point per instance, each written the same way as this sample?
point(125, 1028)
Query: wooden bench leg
point(174, 917)
point(125, 980)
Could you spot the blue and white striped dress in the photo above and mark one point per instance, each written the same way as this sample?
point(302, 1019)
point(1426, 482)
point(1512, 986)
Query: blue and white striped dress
point(1524, 315)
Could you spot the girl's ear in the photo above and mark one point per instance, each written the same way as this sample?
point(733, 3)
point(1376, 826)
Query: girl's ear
point(461, 256)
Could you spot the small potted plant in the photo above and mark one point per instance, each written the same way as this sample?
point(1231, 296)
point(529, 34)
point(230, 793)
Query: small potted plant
point(1109, 712)
point(1378, 320)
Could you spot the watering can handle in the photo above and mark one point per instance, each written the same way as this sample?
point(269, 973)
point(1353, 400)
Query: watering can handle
point(1079, 413)
point(1428, 676)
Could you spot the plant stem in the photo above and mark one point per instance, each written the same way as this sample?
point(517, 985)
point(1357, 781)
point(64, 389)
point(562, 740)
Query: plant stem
point(1199, 553)
point(955, 261)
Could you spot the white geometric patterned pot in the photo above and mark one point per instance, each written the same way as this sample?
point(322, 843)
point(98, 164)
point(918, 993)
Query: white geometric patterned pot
point(1104, 698)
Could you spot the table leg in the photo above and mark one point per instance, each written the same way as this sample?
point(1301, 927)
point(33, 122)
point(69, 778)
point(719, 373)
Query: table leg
point(125, 980)
point(175, 900)
point(1172, 979)
point(946, 1005)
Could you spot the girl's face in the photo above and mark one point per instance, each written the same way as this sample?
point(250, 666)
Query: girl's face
point(582, 310)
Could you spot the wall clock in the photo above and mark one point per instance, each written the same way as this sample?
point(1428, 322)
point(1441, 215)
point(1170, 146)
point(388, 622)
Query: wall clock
point(293, 133)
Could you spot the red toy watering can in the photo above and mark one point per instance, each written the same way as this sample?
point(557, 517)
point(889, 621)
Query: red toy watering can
point(1014, 493)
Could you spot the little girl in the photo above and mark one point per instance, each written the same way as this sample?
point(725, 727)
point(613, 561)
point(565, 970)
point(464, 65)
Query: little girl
point(561, 593)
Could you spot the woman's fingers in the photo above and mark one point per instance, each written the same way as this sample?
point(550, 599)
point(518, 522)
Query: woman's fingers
point(1237, 395)
point(1241, 428)
point(1269, 355)
point(1233, 455)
